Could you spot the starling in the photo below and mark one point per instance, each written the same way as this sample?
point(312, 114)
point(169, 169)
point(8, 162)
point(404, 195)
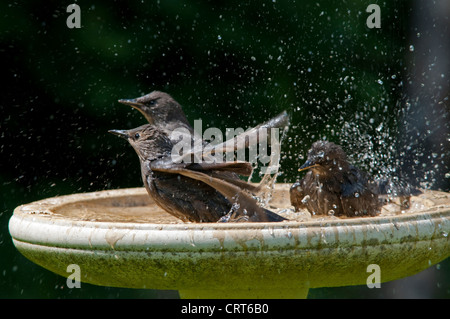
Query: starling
point(196, 192)
point(333, 186)
point(161, 110)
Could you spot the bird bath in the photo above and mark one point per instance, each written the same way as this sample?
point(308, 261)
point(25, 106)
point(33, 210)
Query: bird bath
point(120, 238)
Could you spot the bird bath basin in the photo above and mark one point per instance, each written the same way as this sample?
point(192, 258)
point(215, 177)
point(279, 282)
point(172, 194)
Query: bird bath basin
point(120, 238)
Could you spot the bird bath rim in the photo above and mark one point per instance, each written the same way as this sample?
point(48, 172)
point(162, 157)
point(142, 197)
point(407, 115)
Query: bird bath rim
point(257, 259)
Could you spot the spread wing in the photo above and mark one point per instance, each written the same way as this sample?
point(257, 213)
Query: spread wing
point(238, 167)
point(224, 174)
point(357, 183)
point(232, 192)
point(259, 134)
point(226, 171)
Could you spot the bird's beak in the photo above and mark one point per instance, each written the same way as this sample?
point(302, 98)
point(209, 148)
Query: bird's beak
point(307, 165)
point(121, 133)
point(132, 103)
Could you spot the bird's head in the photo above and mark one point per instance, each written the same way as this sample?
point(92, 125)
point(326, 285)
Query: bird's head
point(149, 142)
point(158, 108)
point(325, 157)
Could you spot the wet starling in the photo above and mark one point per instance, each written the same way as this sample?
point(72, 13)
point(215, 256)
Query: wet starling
point(193, 191)
point(161, 110)
point(333, 186)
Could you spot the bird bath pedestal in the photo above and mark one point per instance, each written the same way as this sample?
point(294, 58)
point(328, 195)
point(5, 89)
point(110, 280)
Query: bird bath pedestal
point(120, 238)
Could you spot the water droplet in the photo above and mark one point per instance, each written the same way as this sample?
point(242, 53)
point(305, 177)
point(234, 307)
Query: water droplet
point(380, 82)
point(219, 37)
point(380, 127)
point(411, 48)
point(305, 199)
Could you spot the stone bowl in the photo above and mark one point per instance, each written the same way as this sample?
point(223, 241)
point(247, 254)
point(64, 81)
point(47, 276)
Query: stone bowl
point(121, 238)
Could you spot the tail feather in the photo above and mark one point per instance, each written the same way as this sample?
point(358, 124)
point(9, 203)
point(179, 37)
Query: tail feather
point(266, 216)
point(396, 188)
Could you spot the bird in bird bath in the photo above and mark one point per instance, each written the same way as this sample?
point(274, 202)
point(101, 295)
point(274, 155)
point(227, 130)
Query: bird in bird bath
point(122, 238)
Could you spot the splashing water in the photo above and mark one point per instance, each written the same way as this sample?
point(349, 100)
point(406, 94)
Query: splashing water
point(267, 183)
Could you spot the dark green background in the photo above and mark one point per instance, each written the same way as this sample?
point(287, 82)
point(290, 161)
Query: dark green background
point(380, 93)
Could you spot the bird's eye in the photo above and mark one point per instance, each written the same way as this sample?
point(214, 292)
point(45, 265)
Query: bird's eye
point(152, 102)
point(136, 136)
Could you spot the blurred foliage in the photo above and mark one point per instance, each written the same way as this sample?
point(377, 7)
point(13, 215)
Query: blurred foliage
point(229, 63)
